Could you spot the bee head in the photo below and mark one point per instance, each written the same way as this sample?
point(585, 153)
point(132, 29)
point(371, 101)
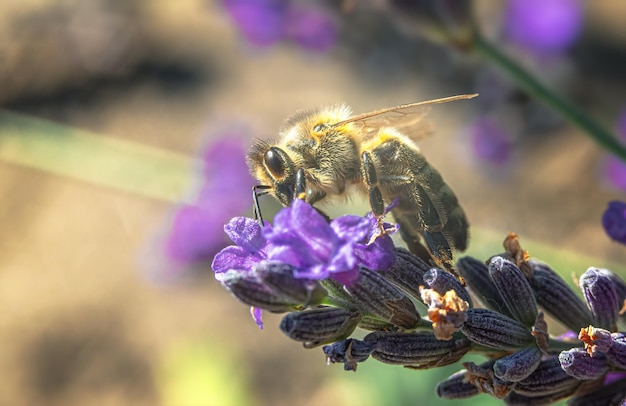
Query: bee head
point(272, 166)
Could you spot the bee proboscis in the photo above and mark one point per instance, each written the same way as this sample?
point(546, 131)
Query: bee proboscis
point(320, 154)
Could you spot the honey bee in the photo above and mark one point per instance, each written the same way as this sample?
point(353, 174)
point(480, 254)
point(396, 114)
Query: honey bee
point(321, 154)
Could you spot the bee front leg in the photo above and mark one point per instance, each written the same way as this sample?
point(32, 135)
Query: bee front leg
point(376, 197)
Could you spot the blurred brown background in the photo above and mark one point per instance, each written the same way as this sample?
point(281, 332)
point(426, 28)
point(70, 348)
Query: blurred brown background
point(80, 320)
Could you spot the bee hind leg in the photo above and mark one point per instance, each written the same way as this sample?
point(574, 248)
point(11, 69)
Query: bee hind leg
point(441, 251)
point(375, 196)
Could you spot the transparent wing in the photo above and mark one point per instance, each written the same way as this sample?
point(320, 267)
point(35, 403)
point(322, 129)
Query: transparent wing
point(409, 118)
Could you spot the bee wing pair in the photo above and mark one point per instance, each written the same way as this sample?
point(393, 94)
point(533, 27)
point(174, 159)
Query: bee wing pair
point(404, 118)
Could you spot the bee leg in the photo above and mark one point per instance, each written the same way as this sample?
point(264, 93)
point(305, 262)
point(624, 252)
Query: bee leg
point(376, 197)
point(259, 190)
point(442, 252)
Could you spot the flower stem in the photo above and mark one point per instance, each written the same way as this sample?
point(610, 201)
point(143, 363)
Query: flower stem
point(537, 89)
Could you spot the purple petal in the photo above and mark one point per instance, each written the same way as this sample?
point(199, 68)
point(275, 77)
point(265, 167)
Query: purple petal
point(351, 228)
point(246, 233)
point(343, 260)
point(257, 315)
point(379, 255)
point(301, 224)
point(296, 255)
point(313, 272)
point(236, 258)
point(347, 278)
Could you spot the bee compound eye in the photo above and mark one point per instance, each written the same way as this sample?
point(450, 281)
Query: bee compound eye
point(318, 128)
point(274, 163)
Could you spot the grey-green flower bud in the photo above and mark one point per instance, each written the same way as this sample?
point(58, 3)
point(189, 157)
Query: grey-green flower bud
point(349, 352)
point(442, 282)
point(519, 365)
point(419, 350)
point(455, 387)
point(249, 290)
point(617, 353)
point(601, 296)
point(557, 299)
point(514, 290)
point(320, 326)
point(407, 272)
point(374, 294)
point(279, 277)
point(476, 274)
point(581, 365)
point(548, 379)
point(494, 330)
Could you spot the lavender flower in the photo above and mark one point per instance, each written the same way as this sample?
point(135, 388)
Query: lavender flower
point(302, 239)
point(305, 266)
point(543, 27)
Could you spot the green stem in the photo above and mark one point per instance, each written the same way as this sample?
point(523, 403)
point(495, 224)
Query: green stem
point(538, 90)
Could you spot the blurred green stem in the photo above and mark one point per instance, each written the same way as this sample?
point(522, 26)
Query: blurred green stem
point(530, 84)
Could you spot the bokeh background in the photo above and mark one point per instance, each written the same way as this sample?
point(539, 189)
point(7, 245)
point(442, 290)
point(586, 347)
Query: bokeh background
point(123, 126)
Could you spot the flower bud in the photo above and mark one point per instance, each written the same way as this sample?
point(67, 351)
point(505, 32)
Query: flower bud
point(279, 277)
point(519, 365)
point(515, 399)
point(373, 323)
point(476, 274)
point(601, 297)
point(455, 387)
point(514, 290)
point(548, 379)
point(483, 378)
point(407, 272)
point(581, 365)
point(617, 353)
point(620, 289)
point(349, 352)
point(245, 287)
point(320, 326)
point(609, 394)
point(442, 282)
point(418, 350)
point(447, 312)
point(556, 297)
point(495, 330)
point(595, 339)
point(374, 294)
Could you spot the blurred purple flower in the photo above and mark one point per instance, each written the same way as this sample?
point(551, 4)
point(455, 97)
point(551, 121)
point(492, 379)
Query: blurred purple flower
point(260, 21)
point(264, 23)
point(490, 142)
point(543, 27)
point(196, 230)
point(195, 235)
point(615, 172)
point(614, 221)
point(301, 237)
point(313, 29)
